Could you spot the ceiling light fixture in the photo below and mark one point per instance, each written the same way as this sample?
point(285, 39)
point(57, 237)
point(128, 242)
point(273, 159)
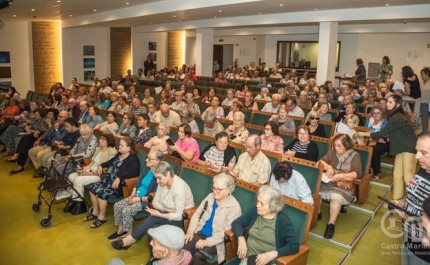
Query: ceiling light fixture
point(387, 4)
point(180, 20)
point(281, 4)
point(33, 9)
point(316, 9)
point(14, 15)
point(259, 13)
point(174, 16)
point(151, 23)
point(58, 1)
point(127, 3)
point(214, 17)
point(70, 15)
point(220, 10)
point(95, 10)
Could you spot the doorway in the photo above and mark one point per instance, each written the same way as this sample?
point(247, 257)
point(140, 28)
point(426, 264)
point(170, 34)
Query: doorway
point(224, 55)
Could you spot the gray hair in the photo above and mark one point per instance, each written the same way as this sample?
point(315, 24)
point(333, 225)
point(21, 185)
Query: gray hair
point(178, 93)
point(187, 115)
point(85, 128)
point(230, 90)
point(120, 86)
point(209, 115)
point(264, 89)
point(303, 93)
point(240, 113)
point(162, 169)
point(165, 126)
point(281, 90)
point(257, 139)
point(157, 153)
point(274, 197)
point(226, 180)
point(382, 110)
point(290, 83)
point(114, 82)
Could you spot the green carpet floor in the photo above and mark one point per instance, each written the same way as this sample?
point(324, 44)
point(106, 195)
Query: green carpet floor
point(71, 241)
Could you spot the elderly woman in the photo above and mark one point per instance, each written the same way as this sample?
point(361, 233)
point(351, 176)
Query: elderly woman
point(187, 118)
point(264, 83)
point(228, 101)
point(376, 123)
point(351, 120)
point(302, 147)
point(284, 122)
point(88, 174)
point(263, 95)
point(123, 107)
point(221, 78)
point(209, 96)
point(312, 121)
point(303, 99)
point(237, 132)
point(122, 166)
point(109, 123)
point(115, 106)
point(125, 209)
point(173, 196)
point(270, 140)
point(164, 99)
point(186, 147)
point(127, 127)
point(159, 141)
point(131, 93)
point(94, 118)
point(212, 218)
point(216, 100)
point(102, 102)
point(10, 111)
point(191, 106)
point(341, 165)
point(197, 94)
point(85, 145)
point(219, 154)
point(148, 97)
point(249, 102)
point(270, 233)
point(179, 104)
point(82, 95)
point(370, 101)
point(235, 107)
point(145, 133)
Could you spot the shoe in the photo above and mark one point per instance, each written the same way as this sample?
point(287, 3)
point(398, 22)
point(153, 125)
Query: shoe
point(80, 208)
point(343, 210)
point(37, 174)
point(11, 160)
point(115, 236)
point(13, 171)
point(119, 245)
point(329, 231)
point(319, 216)
point(63, 194)
point(71, 205)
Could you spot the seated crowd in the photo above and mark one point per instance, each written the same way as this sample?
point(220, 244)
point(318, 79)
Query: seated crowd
point(67, 123)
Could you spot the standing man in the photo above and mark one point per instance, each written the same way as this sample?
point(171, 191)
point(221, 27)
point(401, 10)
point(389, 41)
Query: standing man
point(413, 250)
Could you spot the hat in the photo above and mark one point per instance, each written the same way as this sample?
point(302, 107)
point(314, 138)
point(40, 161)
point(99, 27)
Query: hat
point(398, 85)
point(169, 236)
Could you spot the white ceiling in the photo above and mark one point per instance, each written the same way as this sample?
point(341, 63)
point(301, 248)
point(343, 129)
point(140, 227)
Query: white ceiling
point(52, 10)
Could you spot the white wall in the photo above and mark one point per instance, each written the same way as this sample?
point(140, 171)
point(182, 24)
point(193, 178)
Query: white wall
point(140, 49)
point(248, 43)
point(73, 59)
point(190, 50)
point(15, 37)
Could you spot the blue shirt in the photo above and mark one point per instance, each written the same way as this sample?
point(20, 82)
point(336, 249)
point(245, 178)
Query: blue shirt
point(70, 138)
point(296, 187)
point(144, 184)
point(207, 228)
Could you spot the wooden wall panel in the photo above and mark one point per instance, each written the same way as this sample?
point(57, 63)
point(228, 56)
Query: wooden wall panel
point(120, 51)
point(175, 48)
point(46, 38)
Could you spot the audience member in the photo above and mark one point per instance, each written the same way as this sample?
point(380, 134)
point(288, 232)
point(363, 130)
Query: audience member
point(237, 132)
point(186, 147)
point(302, 146)
point(284, 122)
point(168, 117)
point(273, 106)
point(211, 126)
point(218, 155)
point(270, 140)
point(145, 133)
point(109, 123)
point(187, 118)
point(159, 140)
point(293, 109)
point(127, 127)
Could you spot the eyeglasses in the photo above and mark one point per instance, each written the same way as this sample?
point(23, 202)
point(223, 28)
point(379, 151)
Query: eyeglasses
point(102, 139)
point(125, 118)
point(149, 159)
point(376, 112)
point(314, 118)
point(302, 133)
point(217, 190)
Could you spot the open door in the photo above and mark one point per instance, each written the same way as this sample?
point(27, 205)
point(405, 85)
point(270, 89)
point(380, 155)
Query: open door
point(218, 55)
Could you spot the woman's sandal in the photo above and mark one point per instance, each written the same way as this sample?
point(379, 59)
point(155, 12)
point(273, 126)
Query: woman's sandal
point(375, 178)
point(90, 217)
point(98, 223)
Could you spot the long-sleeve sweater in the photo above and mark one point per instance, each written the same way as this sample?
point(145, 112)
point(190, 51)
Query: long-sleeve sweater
point(286, 240)
point(402, 135)
point(129, 168)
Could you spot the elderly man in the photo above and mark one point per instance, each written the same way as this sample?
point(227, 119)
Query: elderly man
point(256, 76)
point(44, 144)
point(74, 110)
point(293, 109)
point(290, 182)
point(413, 251)
point(349, 109)
point(233, 74)
point(252, 66)
point(273, 106)
point(275, 74)
point(92, 96)
point(170, 118)
point(211, 126)
point(253, 166)
point(291, 88)
point(84, 116)
point(105, 88)
point(137, 108)
point(264, 68)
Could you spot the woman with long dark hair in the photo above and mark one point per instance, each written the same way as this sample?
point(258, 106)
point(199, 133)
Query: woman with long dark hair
point(412, 92)
point(402, 143)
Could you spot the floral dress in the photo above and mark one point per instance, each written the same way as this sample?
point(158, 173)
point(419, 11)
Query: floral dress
point(11, 136)
point(103, 189)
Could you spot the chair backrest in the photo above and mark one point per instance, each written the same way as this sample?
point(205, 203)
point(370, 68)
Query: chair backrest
point(260, 117)
point(199, 179)
point(306, 109)
point(365, 153)
point(203, 140)
point(103, 114)
point(333, 112)
point(142, 154)
point(199, 121)
point(297, 120)
point(323, 145)
point(245, 193)
point(119, 118)
point(308, 169)
point(274, 158)
point(328, 127)
point(239, 148)
point(300, 215)
point(247, 113)
point(153, 126)
point(261, 103)
point(203, 106)
point(174, 162)
point(254, 129)
point(225, 122)
point(287, 136)
point(174, 133)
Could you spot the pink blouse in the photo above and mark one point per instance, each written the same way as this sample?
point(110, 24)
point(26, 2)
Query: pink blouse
point(191, 145)
point(274, 144)
point(162, 146)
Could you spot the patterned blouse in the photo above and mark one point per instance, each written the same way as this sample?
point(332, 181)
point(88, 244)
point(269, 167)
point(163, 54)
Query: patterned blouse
point(220, 113)
point(240, 136)
point(144, 136)
point(273, 144)
point(216, 156)
point(178, 107)
point(287, 125)
point(194, 108)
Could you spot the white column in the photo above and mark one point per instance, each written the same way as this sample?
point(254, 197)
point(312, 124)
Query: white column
point(327, 52)
point(204, 51)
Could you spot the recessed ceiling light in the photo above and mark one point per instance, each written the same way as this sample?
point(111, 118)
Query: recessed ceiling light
point(70, 15)
point(316, 9)
point(259, 13)
point(214, 17)
point(33, 9)
point(127, 3)
point(387, 4)
point(58, 1)
point(220, 10)
point(281, 4)
point(14, 15)
point(174, 16)
point(180, 20)
point(95, 10)
point(151, 23)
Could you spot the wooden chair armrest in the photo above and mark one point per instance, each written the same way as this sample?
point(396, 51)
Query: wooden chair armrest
point(230, 243)
point(299, 258)
point(127, 189)
point(87, 161)
point(188, 213)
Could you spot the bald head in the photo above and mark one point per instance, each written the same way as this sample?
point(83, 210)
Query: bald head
point(62, 115)
point(165, 110)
